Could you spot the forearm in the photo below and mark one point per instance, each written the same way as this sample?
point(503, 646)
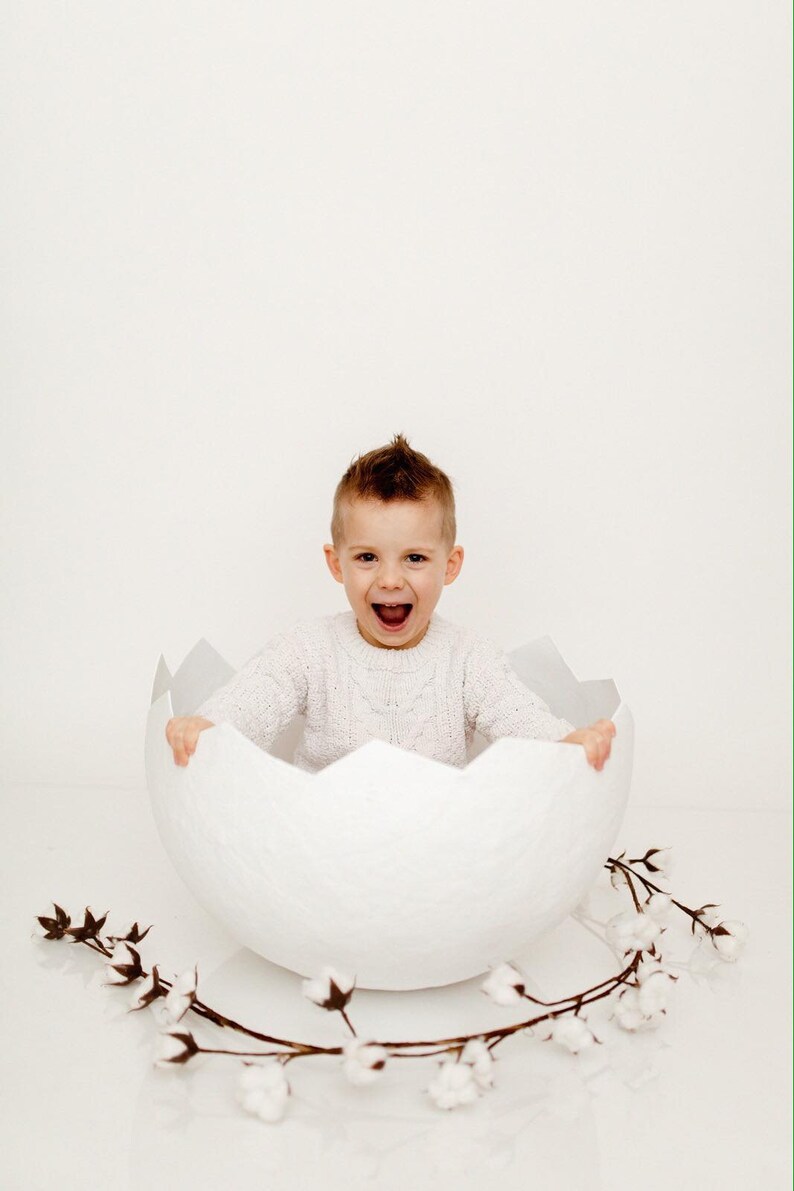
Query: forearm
point(518, 711)
point(259, 701)
point(499, 704)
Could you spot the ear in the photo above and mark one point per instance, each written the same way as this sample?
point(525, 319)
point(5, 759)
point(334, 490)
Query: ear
point(454, 563)
point(332, 558)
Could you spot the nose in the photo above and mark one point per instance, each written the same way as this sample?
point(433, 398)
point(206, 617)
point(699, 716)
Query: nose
point(389, 578)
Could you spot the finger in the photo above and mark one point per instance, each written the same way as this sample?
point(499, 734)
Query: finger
point(606, 726)
point(175, 730)
point(178, 745)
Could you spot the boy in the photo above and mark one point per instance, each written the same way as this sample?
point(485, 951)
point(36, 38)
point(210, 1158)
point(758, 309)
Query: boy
point(389, 668)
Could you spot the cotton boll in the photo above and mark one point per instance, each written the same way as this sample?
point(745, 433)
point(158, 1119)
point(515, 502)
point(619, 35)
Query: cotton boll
point(181, 995)
point(628, 1013)
point(174, 1045)
point(363, 1062)
point(454, 1085)
point(124, 965)
point(648, 965)
point(147, 991)
point(653, 993)
point(643, 1008)
point(505, 985)
point(629, 931)
point(573, 1032)
point(329, 990)
point(729, 946)
point(479, 1057)
point(659, 906)
point(262, 1090)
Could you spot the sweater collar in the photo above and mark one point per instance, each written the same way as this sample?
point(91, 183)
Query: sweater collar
point(394, 660)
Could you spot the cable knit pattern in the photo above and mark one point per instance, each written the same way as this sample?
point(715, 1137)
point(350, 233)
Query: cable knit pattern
point(429, 699)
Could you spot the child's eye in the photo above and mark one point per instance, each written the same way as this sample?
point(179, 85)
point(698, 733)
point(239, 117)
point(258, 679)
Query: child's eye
point(366, 556)
point(417, 557)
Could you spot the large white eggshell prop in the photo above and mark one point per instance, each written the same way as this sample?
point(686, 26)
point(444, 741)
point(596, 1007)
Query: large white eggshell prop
point(403, 871)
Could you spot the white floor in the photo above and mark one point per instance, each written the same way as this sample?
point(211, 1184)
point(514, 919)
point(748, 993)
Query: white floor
point(704, 1102)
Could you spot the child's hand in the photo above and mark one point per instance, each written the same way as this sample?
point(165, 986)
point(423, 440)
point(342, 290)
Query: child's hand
point(182, 733)
point(597, 741)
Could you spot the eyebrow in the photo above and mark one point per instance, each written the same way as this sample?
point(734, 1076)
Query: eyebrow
point(408, 549)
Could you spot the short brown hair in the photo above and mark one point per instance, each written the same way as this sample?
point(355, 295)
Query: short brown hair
point(395, 472)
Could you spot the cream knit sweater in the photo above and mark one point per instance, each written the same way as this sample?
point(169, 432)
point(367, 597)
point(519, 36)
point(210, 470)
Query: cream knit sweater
point(428, 699)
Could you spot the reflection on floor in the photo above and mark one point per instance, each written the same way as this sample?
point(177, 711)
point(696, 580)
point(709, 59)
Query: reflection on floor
point(703, 1101)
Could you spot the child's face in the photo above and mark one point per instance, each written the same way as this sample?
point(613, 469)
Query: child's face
point(393, 553)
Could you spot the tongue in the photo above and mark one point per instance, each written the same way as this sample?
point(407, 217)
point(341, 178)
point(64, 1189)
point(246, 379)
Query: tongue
point(393, 615)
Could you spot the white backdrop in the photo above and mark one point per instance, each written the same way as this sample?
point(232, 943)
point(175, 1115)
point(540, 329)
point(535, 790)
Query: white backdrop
point(551, 245)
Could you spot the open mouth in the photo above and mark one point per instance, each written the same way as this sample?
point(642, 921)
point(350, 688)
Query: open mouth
point(392, 616)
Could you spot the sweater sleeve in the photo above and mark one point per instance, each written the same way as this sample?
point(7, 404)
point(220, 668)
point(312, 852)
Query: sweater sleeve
point(498, 703)
point(266, 694)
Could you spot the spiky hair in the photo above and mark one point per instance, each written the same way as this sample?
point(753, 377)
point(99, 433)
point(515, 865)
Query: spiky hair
point(395, 472)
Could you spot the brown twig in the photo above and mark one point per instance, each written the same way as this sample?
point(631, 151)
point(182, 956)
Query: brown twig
point(292, 1049)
